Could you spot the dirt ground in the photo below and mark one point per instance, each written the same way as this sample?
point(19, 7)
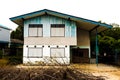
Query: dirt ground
point(45, 73)
point(108, 72)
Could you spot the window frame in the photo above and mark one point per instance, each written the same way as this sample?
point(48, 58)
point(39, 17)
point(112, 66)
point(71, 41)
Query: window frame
point(34, 56)
point(35, 26)
point(57, 48)
point(57, 26)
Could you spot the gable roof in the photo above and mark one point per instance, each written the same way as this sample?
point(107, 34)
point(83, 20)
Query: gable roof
point(1, 26)
point(85, 23)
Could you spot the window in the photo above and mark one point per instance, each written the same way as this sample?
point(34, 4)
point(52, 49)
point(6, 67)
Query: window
point(58, 30)
point(35, 52)
point(57, 52)
point(35, 30)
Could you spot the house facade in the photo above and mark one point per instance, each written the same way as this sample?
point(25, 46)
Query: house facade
point(4, 36)
point(51, 37)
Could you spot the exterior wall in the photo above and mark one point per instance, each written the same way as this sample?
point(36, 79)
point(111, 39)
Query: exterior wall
point(46, 58)
point(49, 41)
point(46, 40)
point(83, 39)
point(4, 35)
point(70, 26)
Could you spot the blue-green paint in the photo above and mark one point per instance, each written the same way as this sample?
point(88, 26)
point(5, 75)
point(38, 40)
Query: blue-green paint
point(97, 47)
point(73, 30)
point(67, 29)
point(47, 20)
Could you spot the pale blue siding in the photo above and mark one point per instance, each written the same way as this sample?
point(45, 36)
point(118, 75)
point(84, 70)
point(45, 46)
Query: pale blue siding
point(70, 26)
point(73, 29)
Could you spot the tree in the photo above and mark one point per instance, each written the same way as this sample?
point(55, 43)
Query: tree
point(109, 40)
point(106, 44)
point(114, 32)
point(18, 33)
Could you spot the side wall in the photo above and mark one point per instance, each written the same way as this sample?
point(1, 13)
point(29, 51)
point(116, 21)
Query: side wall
point(83, 39)
point(47, 40)
point(4, 35)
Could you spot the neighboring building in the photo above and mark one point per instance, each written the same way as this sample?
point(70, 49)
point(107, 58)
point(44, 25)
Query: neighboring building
point(51, 36)
point(4, 36)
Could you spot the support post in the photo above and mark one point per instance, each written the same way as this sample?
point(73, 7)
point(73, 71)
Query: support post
point(116, 56)
point(97, 48)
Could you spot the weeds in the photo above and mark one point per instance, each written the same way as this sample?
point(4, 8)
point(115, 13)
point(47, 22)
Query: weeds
point(51, 73)
point(61, 72)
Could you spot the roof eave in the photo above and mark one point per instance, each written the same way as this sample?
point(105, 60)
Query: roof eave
point(5, 27)
point(18, 19)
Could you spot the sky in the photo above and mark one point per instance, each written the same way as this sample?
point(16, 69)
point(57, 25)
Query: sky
point(107, 11)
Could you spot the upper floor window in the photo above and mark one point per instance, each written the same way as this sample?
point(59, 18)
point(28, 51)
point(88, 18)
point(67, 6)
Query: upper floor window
point(58, 30)
point(35, 30)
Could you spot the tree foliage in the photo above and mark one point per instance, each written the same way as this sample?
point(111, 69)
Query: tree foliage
point(109, 40)
point(18, 33)
point(114, 32)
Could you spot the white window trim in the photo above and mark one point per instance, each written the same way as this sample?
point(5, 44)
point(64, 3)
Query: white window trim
point(37, 30)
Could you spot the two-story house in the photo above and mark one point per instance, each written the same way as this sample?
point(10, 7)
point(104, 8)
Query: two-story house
point(53, 37)
point(4, 36)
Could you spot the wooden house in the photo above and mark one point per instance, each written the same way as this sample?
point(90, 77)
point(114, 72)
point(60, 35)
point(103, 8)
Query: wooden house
point(54, 37)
